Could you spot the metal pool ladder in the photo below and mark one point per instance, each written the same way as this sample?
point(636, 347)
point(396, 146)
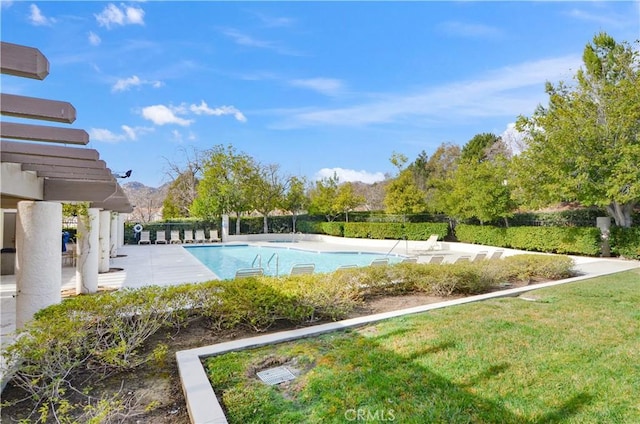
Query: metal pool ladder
point(275, 255)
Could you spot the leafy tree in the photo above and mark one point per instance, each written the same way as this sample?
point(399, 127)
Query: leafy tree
point(585, 146)
point(347, 199)
point(481, 147)
point(226, 185)
point(268, 188)
point(170, 207)
point(296, 199)
point(184, 181)
point(403, 196)
point(480, 190)
point(323, 198)
point(438, 171)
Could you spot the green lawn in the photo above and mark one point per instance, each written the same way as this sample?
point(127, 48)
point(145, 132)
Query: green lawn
point(572, 356)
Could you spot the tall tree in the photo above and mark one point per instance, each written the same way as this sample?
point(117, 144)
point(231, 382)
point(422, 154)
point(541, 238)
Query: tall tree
point(268, 189)
point(585, 145)
point(322, 198)
point(184, 181)
point(402, 195)
point(226, 185)
point(347, 199)
point(296, 199)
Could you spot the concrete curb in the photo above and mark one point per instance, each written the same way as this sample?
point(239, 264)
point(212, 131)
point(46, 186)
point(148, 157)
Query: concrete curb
point(201, 400)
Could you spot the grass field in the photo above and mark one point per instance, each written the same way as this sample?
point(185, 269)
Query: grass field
point(570, 354)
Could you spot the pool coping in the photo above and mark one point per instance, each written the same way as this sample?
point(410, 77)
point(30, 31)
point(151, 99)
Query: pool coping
point(202, 404)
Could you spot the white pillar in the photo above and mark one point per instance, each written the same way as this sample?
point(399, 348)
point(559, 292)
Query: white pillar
point(121, 220)
point(88, 252)
point(113, 236)
point(103, 241)
point(225, 227)
point(38, 258)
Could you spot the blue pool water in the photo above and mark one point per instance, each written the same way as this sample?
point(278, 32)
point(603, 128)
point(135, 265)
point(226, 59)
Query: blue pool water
point(224, 261)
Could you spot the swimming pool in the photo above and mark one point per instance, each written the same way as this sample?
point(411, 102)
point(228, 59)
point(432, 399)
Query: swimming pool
point(225, 260)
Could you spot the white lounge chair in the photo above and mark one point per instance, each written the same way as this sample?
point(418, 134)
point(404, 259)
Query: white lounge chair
point(200, 238)
point(411, 260)
point(188, 236)
point(497, 254)
point(461, 259)
point(436, 259)
point(343, 267)
point(213, 236)
point(175, 237)
point(144, 237)
point(161, 237)
point(430, 244)
point(249, 272)
point(298, 269)
point(380, 262)
point(480, 255)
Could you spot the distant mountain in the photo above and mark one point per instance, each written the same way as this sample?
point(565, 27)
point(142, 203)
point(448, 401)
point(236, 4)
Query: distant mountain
point(146, 201)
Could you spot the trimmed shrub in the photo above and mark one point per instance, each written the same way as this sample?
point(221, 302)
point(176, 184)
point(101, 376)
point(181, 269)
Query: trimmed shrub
point(625, 242)
point(569, 240)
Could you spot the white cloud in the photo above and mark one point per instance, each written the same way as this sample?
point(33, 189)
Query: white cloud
point(204, 109)
point(134, 81)
point(514, 139)
point(128, 133)
point(104, 135)
point(461, 29)
point(38, 19)
point(350, 175)
point(326, 86)
point(125, 84)
point(113, 15)
point(508, 91)
point(162, 115)
point(248, 41)
point(94, 39)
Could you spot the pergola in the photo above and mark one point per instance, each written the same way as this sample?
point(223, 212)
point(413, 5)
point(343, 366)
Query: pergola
point(43, 166)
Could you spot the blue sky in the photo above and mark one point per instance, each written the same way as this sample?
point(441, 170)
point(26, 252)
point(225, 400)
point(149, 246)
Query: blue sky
point(315, 87)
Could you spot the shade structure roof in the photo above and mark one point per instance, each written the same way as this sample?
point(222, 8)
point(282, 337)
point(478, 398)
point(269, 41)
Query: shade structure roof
point(37, 160)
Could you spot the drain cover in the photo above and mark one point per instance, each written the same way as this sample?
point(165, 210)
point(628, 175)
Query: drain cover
point(277, 375)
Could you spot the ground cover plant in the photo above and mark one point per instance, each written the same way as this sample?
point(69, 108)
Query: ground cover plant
point(84, 359)
point(563, 354)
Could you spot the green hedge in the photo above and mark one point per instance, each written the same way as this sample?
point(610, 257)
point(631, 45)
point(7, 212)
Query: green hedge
point(625, 242)
point(570, 240)
point(395, 231)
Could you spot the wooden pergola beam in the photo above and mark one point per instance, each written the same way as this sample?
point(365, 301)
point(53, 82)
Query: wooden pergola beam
point(34, 108)
point(51, 160)
point(23, 61)
point(62, 190)
point(70, 173)
point(49, 134)
point(36, 149)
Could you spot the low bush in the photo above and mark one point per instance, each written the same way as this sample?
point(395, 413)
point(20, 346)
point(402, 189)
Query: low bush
point(110, 332)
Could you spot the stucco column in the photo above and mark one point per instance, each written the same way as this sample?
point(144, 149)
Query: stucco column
point(88, 252)
point(113, 236)
point(225, 228)
point(121, 220)
point(103, 241)
point(38, 258)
